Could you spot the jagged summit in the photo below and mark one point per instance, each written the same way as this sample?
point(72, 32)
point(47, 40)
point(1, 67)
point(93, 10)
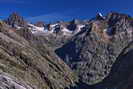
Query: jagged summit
point(118, 14)
point(99, 16)
point(15, 20)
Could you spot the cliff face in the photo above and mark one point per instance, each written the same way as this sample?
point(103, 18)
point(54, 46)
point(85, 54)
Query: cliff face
point(92, 52)
point(24, 65)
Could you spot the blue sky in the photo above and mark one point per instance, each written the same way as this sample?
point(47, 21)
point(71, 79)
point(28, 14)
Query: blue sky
point(53, 10)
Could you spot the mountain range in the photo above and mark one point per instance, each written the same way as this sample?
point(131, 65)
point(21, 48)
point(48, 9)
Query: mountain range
point(77, 54)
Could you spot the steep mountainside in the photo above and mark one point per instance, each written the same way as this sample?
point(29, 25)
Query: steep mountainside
point(93, 51)
point(24, 65)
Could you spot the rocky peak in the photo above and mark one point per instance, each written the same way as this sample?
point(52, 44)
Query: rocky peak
point(115, 17)
point(99, 16)
point(15, 20)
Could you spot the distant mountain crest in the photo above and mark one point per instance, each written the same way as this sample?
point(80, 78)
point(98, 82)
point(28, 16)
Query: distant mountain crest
point(15, 20)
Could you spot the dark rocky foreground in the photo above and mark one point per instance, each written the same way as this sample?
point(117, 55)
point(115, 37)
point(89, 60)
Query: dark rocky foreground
point(98, 54)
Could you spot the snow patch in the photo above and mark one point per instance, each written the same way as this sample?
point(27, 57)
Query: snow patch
point(66, 31)
point(100, 14)
point(53, 28)
point(36, 29)
point(79, 27)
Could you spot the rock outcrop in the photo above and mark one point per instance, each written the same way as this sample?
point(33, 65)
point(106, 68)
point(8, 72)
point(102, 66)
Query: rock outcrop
point(15, 20)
